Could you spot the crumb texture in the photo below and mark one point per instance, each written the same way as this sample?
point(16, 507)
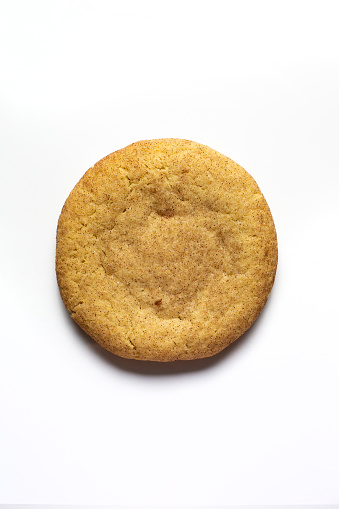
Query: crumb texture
point(166, 250)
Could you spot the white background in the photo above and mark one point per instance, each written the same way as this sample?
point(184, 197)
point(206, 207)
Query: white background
point(257, 81)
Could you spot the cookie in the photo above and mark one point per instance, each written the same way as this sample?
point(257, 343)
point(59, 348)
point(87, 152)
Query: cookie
point(166, 250)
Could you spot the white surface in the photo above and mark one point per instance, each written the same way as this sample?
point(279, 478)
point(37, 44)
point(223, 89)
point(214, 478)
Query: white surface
point(257, 424)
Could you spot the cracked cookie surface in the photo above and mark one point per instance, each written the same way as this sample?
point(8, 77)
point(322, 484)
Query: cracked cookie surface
point(166, 250)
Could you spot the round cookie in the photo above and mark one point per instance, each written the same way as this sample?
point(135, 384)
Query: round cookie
point(166, 250)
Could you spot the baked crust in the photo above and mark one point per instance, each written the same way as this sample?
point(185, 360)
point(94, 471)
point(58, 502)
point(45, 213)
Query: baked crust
point(166, 250)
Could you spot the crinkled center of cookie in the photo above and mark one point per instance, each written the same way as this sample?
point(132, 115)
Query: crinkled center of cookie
point(167, 260)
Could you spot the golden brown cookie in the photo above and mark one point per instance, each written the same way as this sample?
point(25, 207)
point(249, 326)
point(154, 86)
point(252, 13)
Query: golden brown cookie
point(166, 250)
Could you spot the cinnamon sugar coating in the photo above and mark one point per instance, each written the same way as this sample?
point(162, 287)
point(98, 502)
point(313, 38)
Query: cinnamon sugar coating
point(166, 250)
